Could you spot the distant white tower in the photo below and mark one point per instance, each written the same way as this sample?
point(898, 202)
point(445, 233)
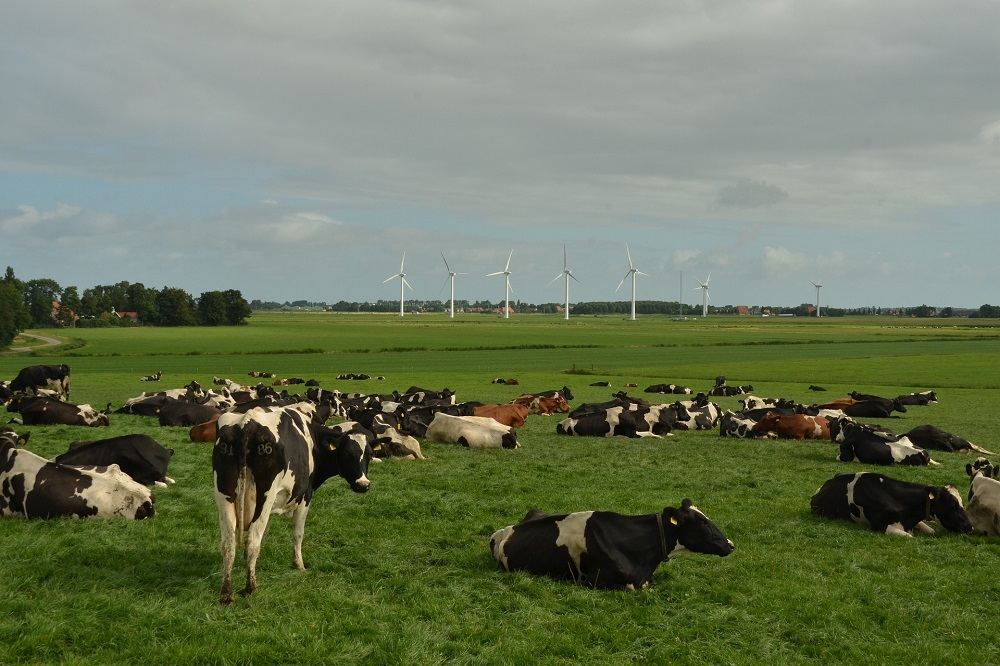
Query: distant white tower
point(568, 274)
point(402, 283)
point(818, 287)
point(507, 290)
point(704, 295)
point(451, 277)
point(633, 271)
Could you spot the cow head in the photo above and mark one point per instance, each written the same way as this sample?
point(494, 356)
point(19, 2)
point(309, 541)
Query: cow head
point(695, 532)
point(345, 454)
point(945, 504)
point(566, 393)
point(982, 467)
point(897, 405)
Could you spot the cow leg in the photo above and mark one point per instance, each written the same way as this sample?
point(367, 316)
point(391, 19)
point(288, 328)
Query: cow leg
point(227, 547)
point(255, 536)
point(298, 531)
point(924, 527)
point(896, 529)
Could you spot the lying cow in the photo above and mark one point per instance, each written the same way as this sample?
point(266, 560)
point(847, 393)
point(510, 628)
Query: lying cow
point(605, 550)
point(921, 398)
point(272, 460)
point(140, 456)
point(868, 445)
point(932, 437)
point(734, 424)
point(474, 432)
point(612, 422)
point(667, 388)
point(512, 415)
point(794, 426)
point(984, 497)
point(155, 377)
point(890, 506)
point(544, 405)
point(37, 410)
point(33, 487)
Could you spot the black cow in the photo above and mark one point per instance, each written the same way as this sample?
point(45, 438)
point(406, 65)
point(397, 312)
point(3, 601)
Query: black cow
point(605, 550)
point(874, 408)
point(140, 456)
point(932, 437)
point(185, 414)
point(813, 387)
point(33, 377)
point(36, 410)
point(890, 506)
point(272, 460)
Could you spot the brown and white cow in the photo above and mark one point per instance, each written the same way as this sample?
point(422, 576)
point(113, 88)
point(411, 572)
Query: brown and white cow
point(544, 405)
point(33, 487)
point(795, 426)
point(513, 415)
point(272, 460)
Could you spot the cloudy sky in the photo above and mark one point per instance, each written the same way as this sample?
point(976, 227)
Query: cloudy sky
point(296, 150)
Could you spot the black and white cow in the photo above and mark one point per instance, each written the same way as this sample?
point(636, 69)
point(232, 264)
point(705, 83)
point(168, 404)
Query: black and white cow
point(668, 388)
point(984, 497)
point(474, 432)
point(272, 460)
point(605, 550)
point(33, 487)
point(921, 398)
point(177, 413)
point(873, 405)
point(33, 377)
point(140, 456)
point(36, 410)
point(734, 424)
point(155, 377)
point(890, 506)
point(864, 444)
point(702, 414)
point(612, 422)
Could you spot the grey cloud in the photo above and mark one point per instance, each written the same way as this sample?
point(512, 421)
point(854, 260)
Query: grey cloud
point(751, 194)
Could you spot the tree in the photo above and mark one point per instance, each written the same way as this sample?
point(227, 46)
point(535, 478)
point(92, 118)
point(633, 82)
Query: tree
point(237, 308)
point(175, 306)
point(14, 316)
point(39, 295)
point(212, 308)
point(69, 306)
point(142, 301)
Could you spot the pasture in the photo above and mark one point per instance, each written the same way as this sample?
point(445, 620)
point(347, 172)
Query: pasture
point(403, 573)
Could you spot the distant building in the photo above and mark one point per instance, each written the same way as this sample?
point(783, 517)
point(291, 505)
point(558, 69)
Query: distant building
point(742, 310)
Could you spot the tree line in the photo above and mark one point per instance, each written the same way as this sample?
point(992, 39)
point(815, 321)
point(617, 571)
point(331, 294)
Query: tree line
point(43, 303)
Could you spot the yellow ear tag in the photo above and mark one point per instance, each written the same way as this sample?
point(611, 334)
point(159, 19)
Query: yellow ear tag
point(332, 447)
point(378, 447)
point(673, 521)
point(930, 496)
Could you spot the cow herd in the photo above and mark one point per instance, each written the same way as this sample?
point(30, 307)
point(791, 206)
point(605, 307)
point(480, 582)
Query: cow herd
point(272, 451)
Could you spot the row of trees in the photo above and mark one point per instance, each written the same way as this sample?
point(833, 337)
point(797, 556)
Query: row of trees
point(43, 303)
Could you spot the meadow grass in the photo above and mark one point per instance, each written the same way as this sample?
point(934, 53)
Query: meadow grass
point(402, 574)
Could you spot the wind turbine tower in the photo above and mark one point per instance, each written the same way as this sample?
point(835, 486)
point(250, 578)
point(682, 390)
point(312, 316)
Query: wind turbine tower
point(507, 290)
point(633, 271)
point(568, 274)
point(451, 277)
point(402, 283)
point(704, 294)
point(818, 286)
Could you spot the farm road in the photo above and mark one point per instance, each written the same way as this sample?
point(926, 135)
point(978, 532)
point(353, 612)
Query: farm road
point(46, 342)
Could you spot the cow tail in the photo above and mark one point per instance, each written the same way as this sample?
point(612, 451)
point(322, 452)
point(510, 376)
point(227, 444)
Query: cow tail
point(241, 489)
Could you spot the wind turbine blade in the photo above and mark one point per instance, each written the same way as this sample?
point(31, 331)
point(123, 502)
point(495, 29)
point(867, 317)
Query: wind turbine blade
point(708, 279)
point(445, 283)
point(574, 277)
point(629, 257)
point(510, 288)
point(407, 284)
point(402, 262)
point(507, 267)
point(555, 278)
point(445, 262)
point(391, 277)
point(641, 273)
point(492, 274)
point(623, 281)
point(564, 256)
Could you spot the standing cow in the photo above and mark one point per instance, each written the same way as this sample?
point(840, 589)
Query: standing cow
point(34, 377)
point(272, 460)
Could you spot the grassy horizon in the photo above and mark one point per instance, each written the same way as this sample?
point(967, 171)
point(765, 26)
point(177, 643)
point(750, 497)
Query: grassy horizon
point(403, 573)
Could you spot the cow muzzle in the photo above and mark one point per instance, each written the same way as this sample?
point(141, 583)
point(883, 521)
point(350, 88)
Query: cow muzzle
point(361, 485)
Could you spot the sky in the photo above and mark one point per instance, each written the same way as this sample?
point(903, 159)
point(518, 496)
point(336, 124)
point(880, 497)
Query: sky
point(296, 151)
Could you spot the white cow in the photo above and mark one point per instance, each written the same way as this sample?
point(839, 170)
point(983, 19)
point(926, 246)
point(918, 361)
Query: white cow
point(475, 432)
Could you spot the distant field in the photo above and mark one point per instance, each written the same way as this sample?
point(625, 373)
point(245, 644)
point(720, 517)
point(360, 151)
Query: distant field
point(403, 575)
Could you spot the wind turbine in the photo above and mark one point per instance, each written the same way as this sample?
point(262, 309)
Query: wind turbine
point(817, 285)
point(451, 276)
point(402, 283)
point(704, 295)
point(568, 274)
point(507, 290)
point(633, 271)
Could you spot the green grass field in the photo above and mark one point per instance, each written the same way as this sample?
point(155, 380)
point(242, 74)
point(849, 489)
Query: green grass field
point(403, 575)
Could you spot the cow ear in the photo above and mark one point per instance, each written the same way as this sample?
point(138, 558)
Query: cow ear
point(687, 504)
point(930, 495)
point(672, 514)
point(377, 447)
